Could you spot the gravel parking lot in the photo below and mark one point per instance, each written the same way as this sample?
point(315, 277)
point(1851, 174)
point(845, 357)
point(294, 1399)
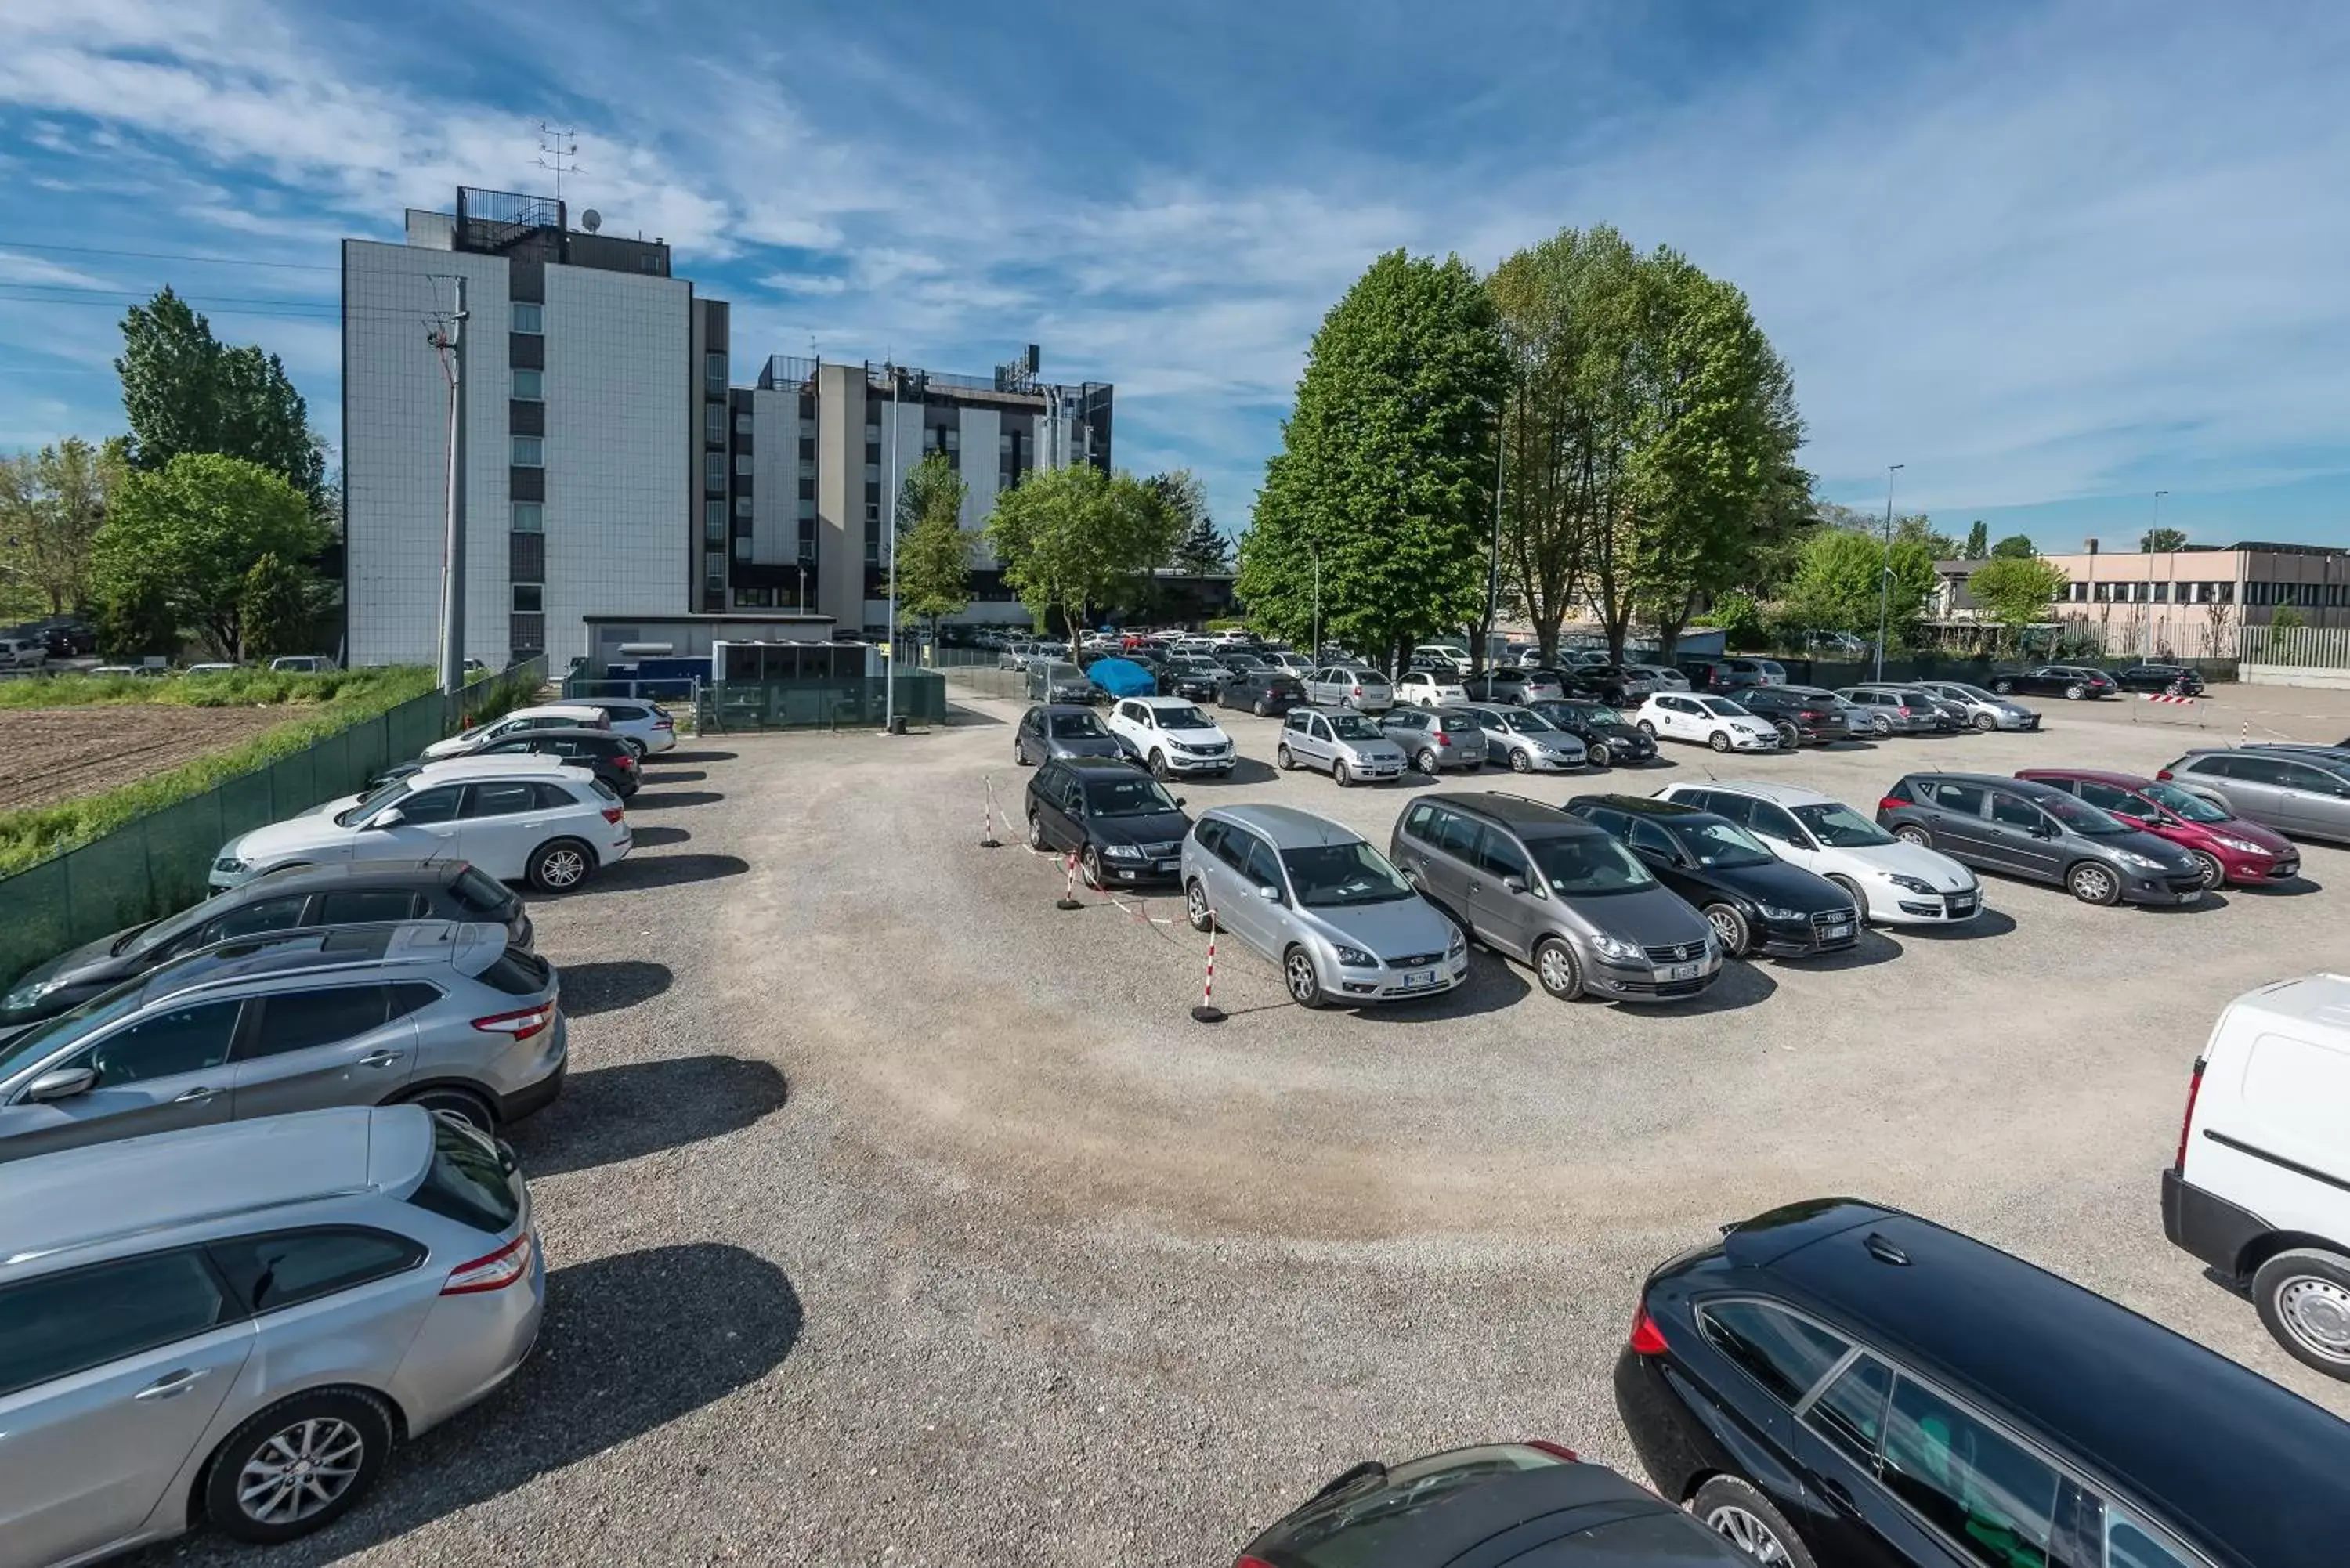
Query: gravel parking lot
point(895, 1217)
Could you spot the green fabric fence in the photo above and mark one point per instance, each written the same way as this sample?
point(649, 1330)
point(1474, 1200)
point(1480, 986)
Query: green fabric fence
point(158, 863)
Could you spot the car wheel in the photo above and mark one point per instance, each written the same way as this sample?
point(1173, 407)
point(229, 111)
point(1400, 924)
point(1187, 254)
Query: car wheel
point(1910, 833)
point(1090, 867)
point(2092, 882)
point(2303, 1297)
point(2003, 687)
point(560, 867)
point(1555, 967)
point(1601, 757)
point(1263, 710)
point(1196, 908)
point(1647, 728)
point(1159, 767)
point(1426, 761)
point(1852, 890)
point(298, 1466)
point(2215, 876)
point(1884, 728)
point(1731, 926)
point(1297, 973)
point(1035, 833)
point(1519, 762)
point(474, 1110)
point(1283, 760)
point(1718, 740)
point(1986, 724)
point(1745, 1518)
point(1789, 736)
point(1338, 774)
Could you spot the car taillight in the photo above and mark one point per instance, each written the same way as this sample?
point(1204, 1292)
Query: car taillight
point(1891, 803)
point(664, 723)
point(612, 814)
point(2194, 1089)
point(2163, 774)
point(493, 1272)
point(627, 759)
point(1648, 1339)
point(1443, 739)
point(1248, 1562)
point(1359, 691)
point(1903, 712)
point(521, 1025)
point(1556, 1450)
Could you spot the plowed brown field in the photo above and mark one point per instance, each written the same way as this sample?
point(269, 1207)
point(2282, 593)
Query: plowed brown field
point(50, 754)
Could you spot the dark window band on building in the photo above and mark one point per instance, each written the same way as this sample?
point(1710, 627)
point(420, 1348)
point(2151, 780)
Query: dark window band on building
point(526, 350)
point(526, 417)
point(526, 484)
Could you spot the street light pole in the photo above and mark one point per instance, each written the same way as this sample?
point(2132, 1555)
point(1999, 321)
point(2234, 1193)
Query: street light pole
point(889, 532)
point(1493, 566)
point(451, 345)
point(1315, 556)
point(1885, 568)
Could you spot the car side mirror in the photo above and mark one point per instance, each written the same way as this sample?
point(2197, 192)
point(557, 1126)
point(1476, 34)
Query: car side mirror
point(1272, 893)
point(62, 1084)
point(389, 817)
point(1513, 884)
point(1179, 800)
point(2042, 830)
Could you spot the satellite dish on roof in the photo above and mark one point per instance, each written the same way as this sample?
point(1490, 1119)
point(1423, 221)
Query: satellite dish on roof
point(591, 220)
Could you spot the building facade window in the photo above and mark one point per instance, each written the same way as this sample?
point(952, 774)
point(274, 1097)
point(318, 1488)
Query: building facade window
point(754, 598)
point(742, 463)
point(713, 373)
point(528, 316)
point(530, 452)
point(529, 598)
point(529, 517)
point(713, 522)
point(713, 471)
point(714, 571)
point(530, 386)
point(741, 507)
point(808, 508)
point(714, 423)
point(743, 546)
point(742, 425)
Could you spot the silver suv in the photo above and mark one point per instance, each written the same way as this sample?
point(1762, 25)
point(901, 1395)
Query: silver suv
point(235, 1324)
point(1319, 901)
point(429, 1011)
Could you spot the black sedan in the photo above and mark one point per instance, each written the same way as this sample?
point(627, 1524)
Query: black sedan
point(1519, 1503)
point(347, 893)
point(1608, 738)
point(1264, 691)
point(2073, 683)
point(1804, 715)
point(1123, 828)
point(1064, 730)
point(610, 756)
point(1756, 902)
point(1198, 678)
point(2164, 680)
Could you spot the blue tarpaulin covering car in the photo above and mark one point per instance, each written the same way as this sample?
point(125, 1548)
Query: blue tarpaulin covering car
point(1122, 678)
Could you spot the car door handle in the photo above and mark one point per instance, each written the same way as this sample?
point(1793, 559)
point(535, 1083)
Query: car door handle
point(1476, 887)
point(1839, 1497)
point(379, 1058)
point(196, 1097)
point(171, 1385)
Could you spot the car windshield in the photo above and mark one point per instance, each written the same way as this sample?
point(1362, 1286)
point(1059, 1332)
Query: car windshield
point(2080, 816)
point(2182, 804)
point(1064, 672)
point(1076, 727)
point(1600, 714)
point(1581, 865)
point(1334, 876)
point(95, 1013)
point(1138, 797)
point(1719, 846)
point(1184, 718)
point(1354, 727)
point(1839, 826)
point(369, 805)
point(1972, 693)
point(1722, 708)
point(1526, 724)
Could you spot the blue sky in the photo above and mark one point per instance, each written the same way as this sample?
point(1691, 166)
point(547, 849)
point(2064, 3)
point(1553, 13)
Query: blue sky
point(2053, 258)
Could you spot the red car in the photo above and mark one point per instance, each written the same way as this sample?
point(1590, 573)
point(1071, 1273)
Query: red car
point(2230, 848)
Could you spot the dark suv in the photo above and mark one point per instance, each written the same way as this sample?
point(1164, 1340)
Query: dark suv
point(1756, 902)
point(1265, 690)
point(2168, 680)
point(1804, 715)
point(1120, 822)
point(2041, 832)
point(1837, 1383)
point(1608, 738)
point(1536, 884)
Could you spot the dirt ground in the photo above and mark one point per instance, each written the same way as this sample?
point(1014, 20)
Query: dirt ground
point(56, 754)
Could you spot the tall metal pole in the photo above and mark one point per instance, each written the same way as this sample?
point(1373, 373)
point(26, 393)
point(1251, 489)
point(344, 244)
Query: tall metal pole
point(1885, 568)
point(452, 550)
point(1493, 567)
point(889, 532)
point(1315, 555)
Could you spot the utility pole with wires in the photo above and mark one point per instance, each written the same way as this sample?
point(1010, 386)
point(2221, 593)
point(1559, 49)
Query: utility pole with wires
point(449, 340)
point(557, 151)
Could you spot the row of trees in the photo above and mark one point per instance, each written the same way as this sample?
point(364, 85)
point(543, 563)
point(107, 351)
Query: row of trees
point(202, 522)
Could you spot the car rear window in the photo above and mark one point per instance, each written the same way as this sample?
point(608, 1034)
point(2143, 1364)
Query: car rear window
point(482, 893)
point(517, 973)
point(468, 1181)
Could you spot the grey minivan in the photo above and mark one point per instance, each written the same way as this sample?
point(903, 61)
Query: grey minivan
point(2042, 833)
point(1312, 895)
point(1554, 892)
point(2305, 793)
point(1348, 745)
point(235, 1324)
point(427, 1012)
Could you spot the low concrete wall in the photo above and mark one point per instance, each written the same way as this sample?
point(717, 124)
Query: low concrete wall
point(2293, 675)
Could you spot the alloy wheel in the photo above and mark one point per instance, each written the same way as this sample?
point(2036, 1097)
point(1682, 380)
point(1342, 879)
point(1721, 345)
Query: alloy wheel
point(1746, 1532)
point(1090, 865)
point(2093, 884)
point(1305, 985)
point(1601, 756)
point(1036, 832)
point(1912, 835)
point(1986, 724)
point(1727, 927)
point(1426, 761)
point(2214, 874)
point(1195, 907)
point(300, 1470)
point(561, 868)
point(1519, 762)
point(2074, 692)
point(2316, 1312)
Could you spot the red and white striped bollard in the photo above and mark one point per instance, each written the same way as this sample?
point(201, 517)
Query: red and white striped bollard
point(1207, 1012)
point(1068, 900)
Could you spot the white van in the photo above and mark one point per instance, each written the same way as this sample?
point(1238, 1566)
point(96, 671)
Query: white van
point(2260, 1189)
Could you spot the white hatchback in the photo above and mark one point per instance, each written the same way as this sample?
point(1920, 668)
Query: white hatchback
point(1893, 882)
point(519, 818)
point(1429, 689)
point(1717, 722)
point(1171, 736)
point(553, 716)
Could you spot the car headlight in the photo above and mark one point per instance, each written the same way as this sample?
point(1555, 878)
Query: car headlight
point(1356, 958)
point(1617, 948)
point(1456, 944)
point(1775, 912)
point(1121, 851)
point(1911, 884)
point(2241, 845)
point(25, 996)
point(230, 864)
point(2143, 862)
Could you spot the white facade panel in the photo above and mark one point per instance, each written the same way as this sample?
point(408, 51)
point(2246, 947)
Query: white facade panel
point(776, 477)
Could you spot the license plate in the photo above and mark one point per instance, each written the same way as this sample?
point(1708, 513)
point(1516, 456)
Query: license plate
point(1962, 905)
point(1685, 972)
point(1414, 980)
point(1832, 932)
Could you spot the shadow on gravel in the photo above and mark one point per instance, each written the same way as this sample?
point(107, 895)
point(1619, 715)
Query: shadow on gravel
point(672, 799)
point(608, 1115)
point(629, 1344)
point(1245, 771)
point(654, 837)
point(959, 716)
point(1741, 984)
point(676, 777)
point(680, 758)
point(661, 871)
point(1493, 984)
point(1873, 948)
point(2291, 887)
point(1988, 923)
point(592, 988)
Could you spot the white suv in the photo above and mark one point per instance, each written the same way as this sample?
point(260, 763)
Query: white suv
point(1716, 721)
point(1892, 882)
point(552, 716)
point(22, 653)
point(1172, 735)
point(517, 817)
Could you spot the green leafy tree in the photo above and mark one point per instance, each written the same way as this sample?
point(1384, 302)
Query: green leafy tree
point(1978, 540)
point(274, 606)
point(2015, 547)
point(1072, 536)
point(51, 503)
point(187, 538)
point(1202, 550)
point(2287, 618)
point(934, 549)
point(2159, 540)
point(2016, 591)
point(1837, 586)
point(1920, 527)
point(186, 391)
point(1386, 473)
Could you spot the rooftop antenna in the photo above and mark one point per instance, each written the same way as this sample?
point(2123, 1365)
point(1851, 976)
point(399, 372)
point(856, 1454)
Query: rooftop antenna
point(557, 151)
